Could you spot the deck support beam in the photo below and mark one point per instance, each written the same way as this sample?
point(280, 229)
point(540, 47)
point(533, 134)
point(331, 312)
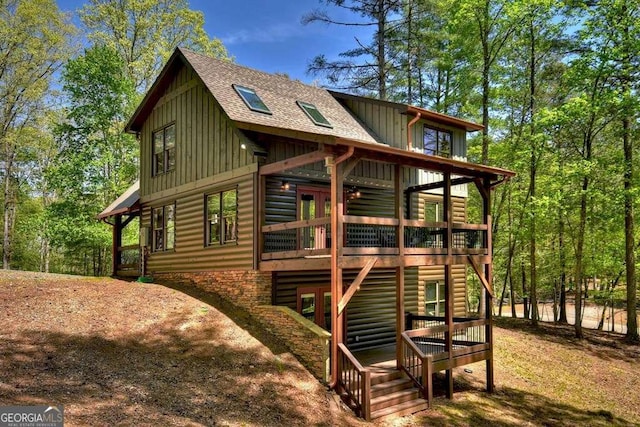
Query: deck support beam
point(117, 242)
point(488, 274)
point(337, 241)
point(355, 285)
point(399, 214)
point(448, 280)
point(292, 163)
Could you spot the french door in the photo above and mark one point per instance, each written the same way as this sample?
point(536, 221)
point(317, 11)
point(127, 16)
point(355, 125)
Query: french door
point(313, 203)
point(314, 303)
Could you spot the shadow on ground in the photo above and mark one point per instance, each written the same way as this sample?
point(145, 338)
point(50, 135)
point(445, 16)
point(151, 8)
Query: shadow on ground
point(167, 375)
point(605, 345)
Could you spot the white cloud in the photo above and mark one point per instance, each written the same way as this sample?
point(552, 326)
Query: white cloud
point(273, 34)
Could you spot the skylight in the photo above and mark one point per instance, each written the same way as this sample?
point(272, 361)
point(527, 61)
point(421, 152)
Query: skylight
point(314, 114)
point(251, 98)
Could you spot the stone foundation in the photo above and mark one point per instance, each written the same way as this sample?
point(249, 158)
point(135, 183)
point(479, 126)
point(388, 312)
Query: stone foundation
point(251, 290)
point(244, 288)
point(306, 340)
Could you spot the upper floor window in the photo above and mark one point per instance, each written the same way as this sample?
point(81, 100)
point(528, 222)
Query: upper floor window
point(437, 142)
point(164, 228)
point(222, 217)
point(164, 149)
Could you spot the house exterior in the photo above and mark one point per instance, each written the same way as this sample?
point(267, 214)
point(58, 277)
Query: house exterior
point(339, 221)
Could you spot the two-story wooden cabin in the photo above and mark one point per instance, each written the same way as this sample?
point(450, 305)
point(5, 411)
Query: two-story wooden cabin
point(320, 212)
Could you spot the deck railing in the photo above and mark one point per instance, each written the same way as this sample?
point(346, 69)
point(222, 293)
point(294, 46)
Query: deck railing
point(364, 235)
point(355, 381)
point(426, 350)
point(128, 260)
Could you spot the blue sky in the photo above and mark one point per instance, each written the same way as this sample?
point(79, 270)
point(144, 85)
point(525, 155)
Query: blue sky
point(268, 35)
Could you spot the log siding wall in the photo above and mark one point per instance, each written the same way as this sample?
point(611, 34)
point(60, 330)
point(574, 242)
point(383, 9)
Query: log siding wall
point(190, 253)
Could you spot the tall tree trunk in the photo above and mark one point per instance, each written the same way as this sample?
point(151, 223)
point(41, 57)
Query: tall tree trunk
point(632, 316)
point(629, 247)
point(563, 269)
point(525, 299)
point(579, 252)
point(532, 174)
point(381, 59)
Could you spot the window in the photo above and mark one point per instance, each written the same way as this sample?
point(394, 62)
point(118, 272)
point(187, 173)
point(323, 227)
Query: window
point(315, 304)
point(434, 298)
point(314, 114)
point(433, 211)
point(164, 150)
point(164, 228)
point(437, 142)
point(251, 98)
point(222, 217)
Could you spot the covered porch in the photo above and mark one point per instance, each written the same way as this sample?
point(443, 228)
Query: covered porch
point(423, 345)
point(127, 259)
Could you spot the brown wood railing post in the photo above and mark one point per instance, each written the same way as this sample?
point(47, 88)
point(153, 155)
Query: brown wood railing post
point(366, 396)
point(427, 366)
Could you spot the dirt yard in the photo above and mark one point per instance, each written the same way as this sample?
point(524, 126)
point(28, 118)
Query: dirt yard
point(119, 353)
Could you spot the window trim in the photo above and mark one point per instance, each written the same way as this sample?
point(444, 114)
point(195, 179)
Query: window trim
point(220, 242)
point(239, 90)
point(164, 228)
point(165, 150)
point(305, 105)
point(438, 150)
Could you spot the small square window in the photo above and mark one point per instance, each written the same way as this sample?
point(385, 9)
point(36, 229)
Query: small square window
point(314, 114)
point(251, 98)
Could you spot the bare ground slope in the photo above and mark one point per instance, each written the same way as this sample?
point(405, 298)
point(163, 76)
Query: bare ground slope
point(119, 353)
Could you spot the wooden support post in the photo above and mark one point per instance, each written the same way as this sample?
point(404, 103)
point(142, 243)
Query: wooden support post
point(261, 201)
point(337, 238)
point(117, 242)
point(448, 281)
point(399, 213)
point(488, 274)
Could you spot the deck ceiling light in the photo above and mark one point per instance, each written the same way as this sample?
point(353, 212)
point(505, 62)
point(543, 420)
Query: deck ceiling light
point(353, 193)
point(285, 186)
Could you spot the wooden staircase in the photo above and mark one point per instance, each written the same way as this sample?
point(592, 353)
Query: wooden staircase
point(393, 393)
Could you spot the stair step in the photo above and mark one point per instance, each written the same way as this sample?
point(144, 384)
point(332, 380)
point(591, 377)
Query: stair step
point(399, 410)
point(392, 386)
point(378, 378)
point(394, 398)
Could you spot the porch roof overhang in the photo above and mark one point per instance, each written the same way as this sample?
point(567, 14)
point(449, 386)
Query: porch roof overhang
point(127, 203)
point(387, 154)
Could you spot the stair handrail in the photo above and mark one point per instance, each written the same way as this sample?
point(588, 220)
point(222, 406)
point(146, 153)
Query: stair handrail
point(413, 352)
point(355, 380)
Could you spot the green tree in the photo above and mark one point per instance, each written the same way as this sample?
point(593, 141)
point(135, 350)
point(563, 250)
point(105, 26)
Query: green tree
point(365, 68)
point(96, 159)
point(145, 33)
point(34, 38)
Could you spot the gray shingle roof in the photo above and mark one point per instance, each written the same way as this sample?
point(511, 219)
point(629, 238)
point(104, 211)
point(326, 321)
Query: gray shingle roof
point(280, 94)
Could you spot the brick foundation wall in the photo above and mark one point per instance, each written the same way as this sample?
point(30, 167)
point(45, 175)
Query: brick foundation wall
point(251, 290)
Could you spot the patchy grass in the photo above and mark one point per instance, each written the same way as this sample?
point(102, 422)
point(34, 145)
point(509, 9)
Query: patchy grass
point(120, 353)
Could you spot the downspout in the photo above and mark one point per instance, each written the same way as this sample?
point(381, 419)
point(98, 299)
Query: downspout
point(335, 286)
point(409, 126)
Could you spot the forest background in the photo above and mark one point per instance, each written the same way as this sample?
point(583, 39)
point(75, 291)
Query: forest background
point(555, 84)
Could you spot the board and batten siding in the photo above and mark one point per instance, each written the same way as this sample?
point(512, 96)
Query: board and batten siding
point(391, 126)
point(371, 313)
point(190, 253)
point(207, 142)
